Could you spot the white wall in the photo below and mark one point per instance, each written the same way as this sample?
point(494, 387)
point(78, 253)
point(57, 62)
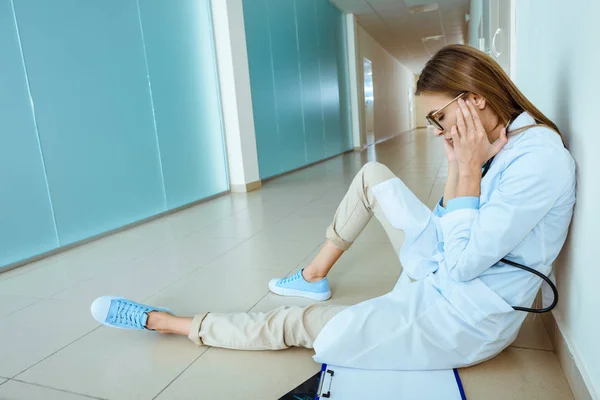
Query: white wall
point(475, 14)
point(236, 98)
point(557, 69)
point(391, 81)
point(351, 37)
point(420, 110)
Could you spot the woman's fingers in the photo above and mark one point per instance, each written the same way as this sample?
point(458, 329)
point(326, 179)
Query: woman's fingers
point(467, 116)
point(499, 143)
point(455, 136)
point(476, 121)
point(461, 128)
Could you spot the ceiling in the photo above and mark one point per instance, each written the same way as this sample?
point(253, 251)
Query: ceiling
point(402, 33)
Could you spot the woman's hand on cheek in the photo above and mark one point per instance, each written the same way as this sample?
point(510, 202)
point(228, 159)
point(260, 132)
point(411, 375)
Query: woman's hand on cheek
point(472, 147)
point(449, 147)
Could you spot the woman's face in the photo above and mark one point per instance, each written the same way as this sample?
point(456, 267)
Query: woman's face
point(446, 117)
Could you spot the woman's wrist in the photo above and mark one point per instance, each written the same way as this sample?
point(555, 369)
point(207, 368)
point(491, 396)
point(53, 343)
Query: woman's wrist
point(469, 171)
point(451, 183)
point(469, 182)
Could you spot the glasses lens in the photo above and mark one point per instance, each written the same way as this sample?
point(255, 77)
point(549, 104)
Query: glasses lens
point(433, 122)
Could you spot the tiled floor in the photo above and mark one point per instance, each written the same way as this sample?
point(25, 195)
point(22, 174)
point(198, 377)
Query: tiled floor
point(219, 256)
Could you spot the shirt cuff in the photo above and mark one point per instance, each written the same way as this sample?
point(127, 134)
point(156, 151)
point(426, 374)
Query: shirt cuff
point(461, 203)
point(440, 210)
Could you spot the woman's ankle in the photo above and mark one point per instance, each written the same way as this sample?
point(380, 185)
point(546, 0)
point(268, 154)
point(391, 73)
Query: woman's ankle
point(312, 276)
point(156, 321)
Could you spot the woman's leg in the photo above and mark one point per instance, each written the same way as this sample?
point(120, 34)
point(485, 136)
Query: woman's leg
point(277, 329)
point(352, 216)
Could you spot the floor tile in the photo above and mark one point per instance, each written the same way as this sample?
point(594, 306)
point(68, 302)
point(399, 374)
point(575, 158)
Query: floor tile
point(57, 276)
point(15, 390)
point(18, 271)
point(42, 263)
point(266, 213)
point(517, 374)
point(261, 253)
point(2, 380)
point(215, 290)
point(189, 220)
point(318, 209)
point(533, 334)
point(134, 281)
point(297, 229)
point(41, 282)
point(235, 226)
point(191, 251)
point(228, 374)
point(39, 330)
point(11, 303)
point(126, 246)
point(116, 364)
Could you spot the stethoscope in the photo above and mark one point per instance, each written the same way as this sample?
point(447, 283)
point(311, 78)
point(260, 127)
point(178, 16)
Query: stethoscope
point(486, 168)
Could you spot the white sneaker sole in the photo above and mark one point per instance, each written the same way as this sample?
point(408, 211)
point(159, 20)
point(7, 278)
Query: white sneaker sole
point(299, 293)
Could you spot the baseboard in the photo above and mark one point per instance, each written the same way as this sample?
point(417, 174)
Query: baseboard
point(568, 359)
point(248, 187)
point(306, 166)
point(395, 135)
point(99, 236)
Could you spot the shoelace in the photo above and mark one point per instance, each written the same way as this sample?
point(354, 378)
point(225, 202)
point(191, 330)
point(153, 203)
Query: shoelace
point(129, 314)
point(292, 278)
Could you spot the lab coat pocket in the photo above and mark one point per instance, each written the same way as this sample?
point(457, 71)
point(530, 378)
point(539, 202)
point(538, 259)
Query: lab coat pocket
point(481, 308)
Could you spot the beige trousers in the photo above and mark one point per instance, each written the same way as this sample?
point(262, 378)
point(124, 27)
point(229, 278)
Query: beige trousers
point(285, 327)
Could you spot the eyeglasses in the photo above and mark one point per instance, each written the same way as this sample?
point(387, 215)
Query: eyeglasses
point(431, 116)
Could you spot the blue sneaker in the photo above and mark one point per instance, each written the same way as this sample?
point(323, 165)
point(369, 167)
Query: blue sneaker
point(118, 312)
point(296, 285)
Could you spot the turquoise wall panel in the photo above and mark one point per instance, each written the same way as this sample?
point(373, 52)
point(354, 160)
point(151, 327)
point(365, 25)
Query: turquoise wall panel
point(26, 223)
point(295, 54)
point(329, 77)
point(258, 43)
point(288, 93)
point(181, 64)
point(308, 50)
point(89, 83)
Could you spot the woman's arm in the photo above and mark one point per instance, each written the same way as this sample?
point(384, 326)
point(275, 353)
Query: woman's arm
point(451, 183)
point(469, 182)
point(477, 238)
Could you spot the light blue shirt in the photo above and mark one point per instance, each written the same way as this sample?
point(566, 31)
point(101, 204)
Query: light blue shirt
point(458, 203)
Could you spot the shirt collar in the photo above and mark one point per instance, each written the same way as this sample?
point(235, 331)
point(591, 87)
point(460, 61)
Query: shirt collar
point(522, 120)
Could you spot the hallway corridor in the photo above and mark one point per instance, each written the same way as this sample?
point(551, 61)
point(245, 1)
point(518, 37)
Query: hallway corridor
point(219, 256)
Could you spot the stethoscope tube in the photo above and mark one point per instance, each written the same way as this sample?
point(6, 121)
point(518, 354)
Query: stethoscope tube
point(545, 278)
point(486, 167)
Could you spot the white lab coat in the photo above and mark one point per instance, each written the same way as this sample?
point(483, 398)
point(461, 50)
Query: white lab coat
point(458, 311)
